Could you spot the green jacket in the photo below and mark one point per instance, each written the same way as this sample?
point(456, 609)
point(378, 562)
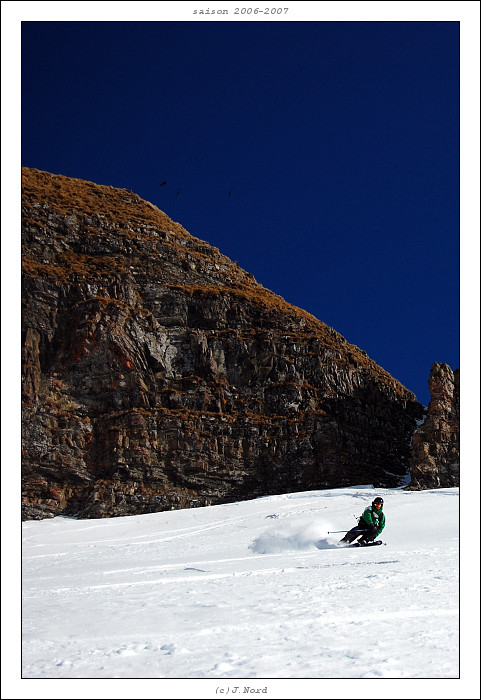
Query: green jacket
point(373, 517)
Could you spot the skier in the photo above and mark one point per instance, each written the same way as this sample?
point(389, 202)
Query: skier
point(370, 525)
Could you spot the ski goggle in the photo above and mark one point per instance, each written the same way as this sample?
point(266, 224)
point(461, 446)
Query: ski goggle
point(378, 505)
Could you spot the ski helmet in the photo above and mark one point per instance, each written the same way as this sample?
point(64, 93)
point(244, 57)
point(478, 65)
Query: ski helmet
point(378, 503)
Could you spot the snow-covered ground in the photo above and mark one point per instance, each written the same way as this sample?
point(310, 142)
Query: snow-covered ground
point(239, 596)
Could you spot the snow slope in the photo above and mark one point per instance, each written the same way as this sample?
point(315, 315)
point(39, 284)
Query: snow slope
point(240, 591)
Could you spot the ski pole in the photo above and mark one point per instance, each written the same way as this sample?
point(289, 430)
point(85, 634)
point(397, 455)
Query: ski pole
point(334, 532)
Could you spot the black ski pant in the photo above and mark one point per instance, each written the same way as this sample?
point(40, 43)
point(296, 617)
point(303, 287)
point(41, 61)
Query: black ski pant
point(368, 533)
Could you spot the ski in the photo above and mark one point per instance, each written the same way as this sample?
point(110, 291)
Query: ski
point(368, 544)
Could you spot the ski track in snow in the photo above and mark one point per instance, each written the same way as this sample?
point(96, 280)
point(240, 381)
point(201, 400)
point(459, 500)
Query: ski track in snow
point(217, 608)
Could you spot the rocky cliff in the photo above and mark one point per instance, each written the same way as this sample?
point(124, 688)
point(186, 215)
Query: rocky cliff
point(157, 374)
point(435, 445)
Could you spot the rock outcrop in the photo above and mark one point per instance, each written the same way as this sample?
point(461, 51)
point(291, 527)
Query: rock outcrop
point(157, 374)
point(435, 445)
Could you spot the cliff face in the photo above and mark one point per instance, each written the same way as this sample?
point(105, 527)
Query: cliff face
point(435, 445)
point(157, 374)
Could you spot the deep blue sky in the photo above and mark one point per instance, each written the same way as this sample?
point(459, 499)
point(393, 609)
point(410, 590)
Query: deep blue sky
point(339, 143)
